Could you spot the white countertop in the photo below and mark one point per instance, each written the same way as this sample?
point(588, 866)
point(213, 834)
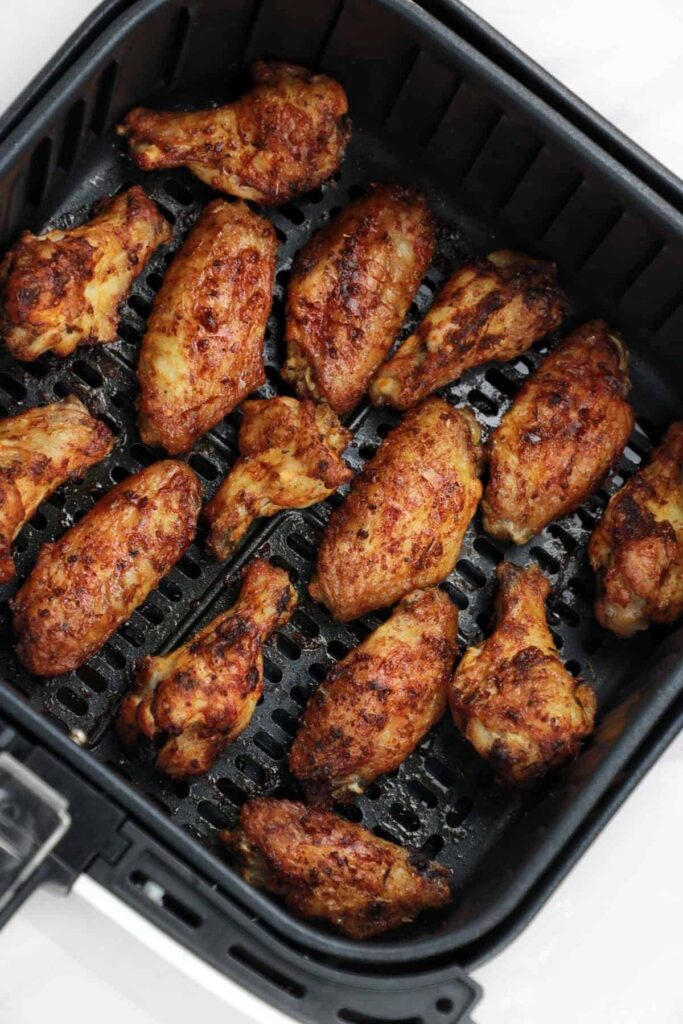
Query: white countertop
point(606, 948)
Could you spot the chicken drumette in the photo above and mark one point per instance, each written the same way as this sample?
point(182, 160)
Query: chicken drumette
point(195, 701)
point(41, 449)
point(566, 428)
point(284, 137)
point(401, 526)
point(203, 349)
point(64, 288)
point(637, 547)
point(377, 704)
point(327, 868)
point(494, 308)
point(351, 288)
point(86, 584)
point(290, 457)
point(511, 695)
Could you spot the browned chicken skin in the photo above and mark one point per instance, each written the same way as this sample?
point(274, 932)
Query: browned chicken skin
point(203, 349)
point(41, 449)
point(351, 288)
point(402, 524)
point(377, 704)
point(329, 869)
point(566, 428)
point(90, 581)
point(286, 136)
point(198, 699)
point(493, 308)
point(290, 457)
point(511, 696)
point(64, 288)
point(637, 547)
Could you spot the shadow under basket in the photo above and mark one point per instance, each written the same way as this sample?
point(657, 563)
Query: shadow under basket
point(502, 167)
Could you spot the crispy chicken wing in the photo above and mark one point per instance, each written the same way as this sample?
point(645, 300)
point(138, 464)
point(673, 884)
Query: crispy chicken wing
point(203, 350)
point(92, 579)
point(290, 458)
point(195, 701)
point(566, 428)
point(511, 696)
point(329, 869)
point(351, 288)
point(284, 137)
point(402, 524)
point(377, 704)
point(64, 288)
point(41, 449)
point(637, 547)
point(493, 308)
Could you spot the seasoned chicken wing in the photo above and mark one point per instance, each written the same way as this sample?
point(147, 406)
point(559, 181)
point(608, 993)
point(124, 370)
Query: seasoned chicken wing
point(493, 308)
point(511, 696)
point(377, 704)
point(637, 547)
point(41, 449)
point(566, 428)
point(203, 349)
point(329, 869)
point(284, 137)
point(195, 701)
point(401, 526)
point(290, 458)
point(91, 580)
point(64, 288)
point(351, 288)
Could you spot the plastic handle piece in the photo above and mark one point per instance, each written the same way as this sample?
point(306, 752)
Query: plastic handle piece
point(33, 818)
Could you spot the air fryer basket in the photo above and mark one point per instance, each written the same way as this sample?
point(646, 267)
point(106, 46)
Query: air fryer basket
point(501, 169)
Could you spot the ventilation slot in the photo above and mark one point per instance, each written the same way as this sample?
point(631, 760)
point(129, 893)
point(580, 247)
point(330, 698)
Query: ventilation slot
point(214, 815)
point(73, 126)
point(39, 173)
point(103, 98)
point(267, 971)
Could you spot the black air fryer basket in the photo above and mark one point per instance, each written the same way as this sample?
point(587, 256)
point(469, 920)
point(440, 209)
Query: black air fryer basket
point(508, 159)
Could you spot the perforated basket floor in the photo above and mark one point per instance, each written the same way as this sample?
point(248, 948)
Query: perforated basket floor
point(442, 799)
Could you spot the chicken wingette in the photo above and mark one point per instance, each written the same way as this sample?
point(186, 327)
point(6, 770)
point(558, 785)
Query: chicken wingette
point(64, 288)
point(41, 449)
point(511, 695)
point(379, 702)
point(566, 428)
point(290, 457)
point(203, 349)
point(493, 308)
point(350, 290)
point(284, 137)
point(196, 700)
point(401, 526)
point(637, 547)
point(329, 869)
point(87, 583)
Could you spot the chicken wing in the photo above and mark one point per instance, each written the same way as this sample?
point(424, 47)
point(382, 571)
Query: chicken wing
point(64, 288)
point(284, 137)
point(290, 458)
point(377, 704)
point(493, 308)
point(402, 524)
point(566, 428)
point(351, 288)
point(329, 869)
point(637, 547)
point(203, 350)
point(92, 579)
point(195, 701)
point(41, 449)
point(511, 696)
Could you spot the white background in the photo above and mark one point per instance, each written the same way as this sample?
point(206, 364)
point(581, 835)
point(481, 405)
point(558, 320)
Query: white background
point(607, 947)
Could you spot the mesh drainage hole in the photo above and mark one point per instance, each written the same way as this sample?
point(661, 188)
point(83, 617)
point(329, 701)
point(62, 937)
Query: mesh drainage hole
point(444, 1005)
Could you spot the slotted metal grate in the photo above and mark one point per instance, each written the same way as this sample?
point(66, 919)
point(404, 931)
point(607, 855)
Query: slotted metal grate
point(442, 799)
